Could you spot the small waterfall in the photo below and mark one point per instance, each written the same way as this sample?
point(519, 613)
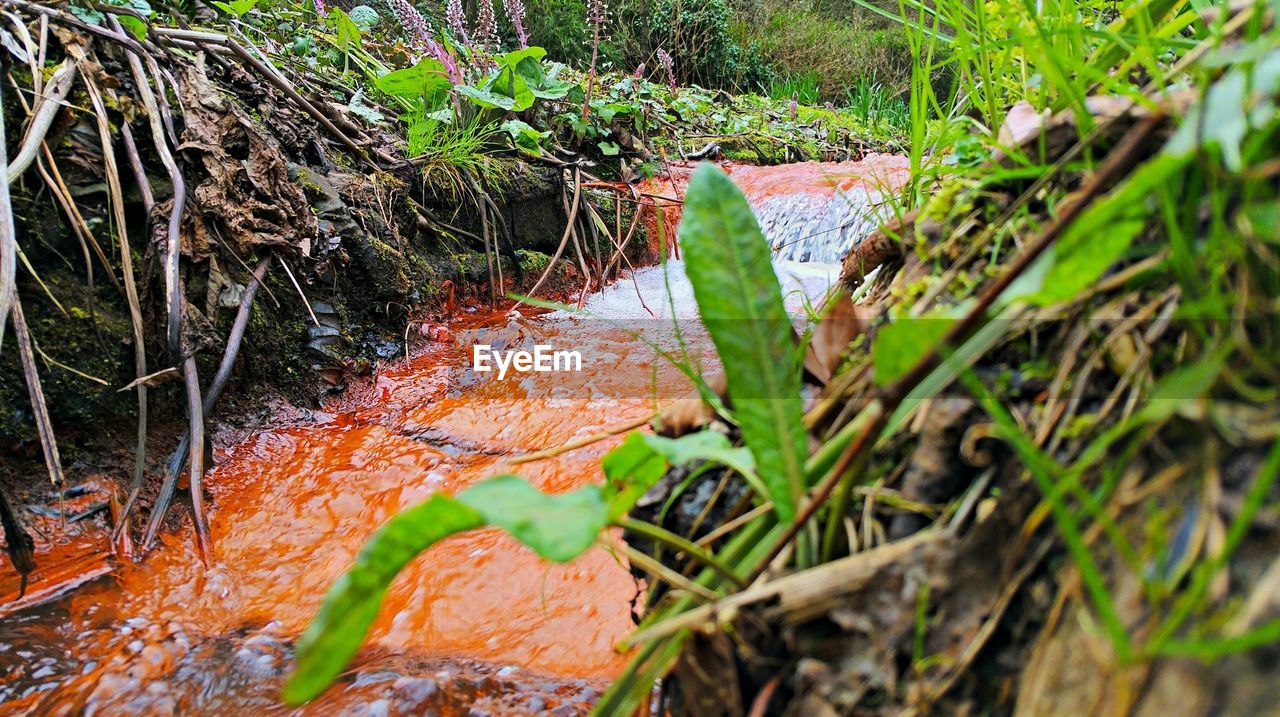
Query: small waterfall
point(813, 227)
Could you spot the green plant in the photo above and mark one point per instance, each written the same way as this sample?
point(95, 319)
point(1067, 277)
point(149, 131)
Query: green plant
point(741, 303)
point(697, 35)
point(457, 145)
point(803, 87)
point(839, 46)
point(877, 105)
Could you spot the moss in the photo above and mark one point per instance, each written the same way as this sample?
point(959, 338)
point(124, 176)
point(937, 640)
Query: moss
point(531, 261)
point(93, 344)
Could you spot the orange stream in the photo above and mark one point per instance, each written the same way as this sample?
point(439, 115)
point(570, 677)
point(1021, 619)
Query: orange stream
point(293, 504)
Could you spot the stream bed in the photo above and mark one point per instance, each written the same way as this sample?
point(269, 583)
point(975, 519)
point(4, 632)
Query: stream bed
point(478, 624)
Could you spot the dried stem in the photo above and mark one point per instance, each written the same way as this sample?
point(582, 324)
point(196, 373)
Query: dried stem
point(219, 382)
point(44, 112)
point(116, 196)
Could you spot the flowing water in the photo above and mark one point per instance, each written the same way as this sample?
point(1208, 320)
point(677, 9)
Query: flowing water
point(477, 624)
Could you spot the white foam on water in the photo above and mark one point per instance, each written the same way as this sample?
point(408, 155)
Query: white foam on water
point(809, 227)
point(646, 290)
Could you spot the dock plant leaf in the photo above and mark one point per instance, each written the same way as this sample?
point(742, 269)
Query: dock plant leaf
point(729, 264)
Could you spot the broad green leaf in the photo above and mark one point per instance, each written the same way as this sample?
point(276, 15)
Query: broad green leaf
point(507, 83)
point(551, 89)
point(352, 602)
point(484, 98)
point(557, 527)
point(348, 32)
point(235, 8)
point(426, 79)
point(630, 470)
point(729, 264)
point(135, 26)
point(516, 57)
point(609, 149)
point(524, 135)
point(901, 344)
point(702, 446)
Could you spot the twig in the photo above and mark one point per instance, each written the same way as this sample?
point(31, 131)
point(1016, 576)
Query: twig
point(44, 112)
point(62, 194)
point(173, 248)
point(51, 361)
point(116, 196)
point(48, 442)
point(195, 418)
point(298, 286)
point(64, 18)
point(662, 572)
point(267, 73)
point(139, 171)
point(564, 239)
point(8, 238)
point(584, 441)
point(678, 543)
point(219, 382)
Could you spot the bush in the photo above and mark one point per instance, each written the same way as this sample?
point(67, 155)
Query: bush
point(696, 34)
point(839, 43)
point(561, 27)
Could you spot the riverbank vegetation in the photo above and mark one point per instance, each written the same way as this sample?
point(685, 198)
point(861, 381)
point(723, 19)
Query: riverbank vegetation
point(1066, 353)
point(1022, 460)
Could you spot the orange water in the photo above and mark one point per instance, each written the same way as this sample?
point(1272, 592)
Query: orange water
point(293, 504)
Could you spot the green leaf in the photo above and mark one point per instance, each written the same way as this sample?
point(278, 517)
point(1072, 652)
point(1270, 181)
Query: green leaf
point(1187, 383)
point(609, 149)
point(484, 98)
point(506, 83)
point(515, 57)
point(524, 135)
point(702, 446)
point(235, 8)
point(348, 32)
point(557, 527)
point(642, 459)
point(551, 89)
point(94, 16)
point(630, 470)
point(729, 264)
point(134, 25)
point(426, 79)
point(1096, 241)
point(900, 345)
point(352, 602)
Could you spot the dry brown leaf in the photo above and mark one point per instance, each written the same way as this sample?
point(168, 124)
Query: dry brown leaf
point(842, 322)
point(247, 193)
point(688, 414)
point(1021, 124)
